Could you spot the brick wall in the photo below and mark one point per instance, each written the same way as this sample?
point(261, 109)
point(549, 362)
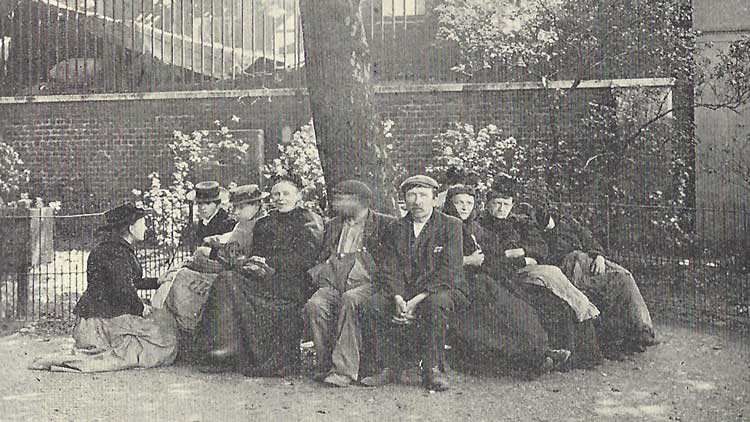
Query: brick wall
point(95, 151)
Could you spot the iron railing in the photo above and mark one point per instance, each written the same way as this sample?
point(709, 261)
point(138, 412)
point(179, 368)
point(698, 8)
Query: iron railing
point(121, 46)
point(679, 273)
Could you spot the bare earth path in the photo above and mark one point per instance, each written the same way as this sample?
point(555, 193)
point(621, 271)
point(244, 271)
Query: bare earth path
point(694, 375)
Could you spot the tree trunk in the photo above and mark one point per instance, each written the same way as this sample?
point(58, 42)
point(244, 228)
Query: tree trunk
point(348, 129)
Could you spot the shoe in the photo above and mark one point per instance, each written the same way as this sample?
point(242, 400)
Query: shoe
point(337, 380)
point(559, 357)
point(386, 376)
point(433, 379)
point(320, 376)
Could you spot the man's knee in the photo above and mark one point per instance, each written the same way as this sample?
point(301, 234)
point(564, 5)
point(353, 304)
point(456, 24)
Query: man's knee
point(356, 298)
point(318, 305)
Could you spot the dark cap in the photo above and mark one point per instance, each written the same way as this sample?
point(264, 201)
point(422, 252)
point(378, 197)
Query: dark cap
point(419, 181)
point(504, 186)
point(208, 191)
point(122, 216)
point(246, 193)
point(354, 188)
point(458, 190)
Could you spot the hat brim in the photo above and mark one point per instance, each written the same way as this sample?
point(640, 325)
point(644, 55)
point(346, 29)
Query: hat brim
point(259, 198)
point(223, 196)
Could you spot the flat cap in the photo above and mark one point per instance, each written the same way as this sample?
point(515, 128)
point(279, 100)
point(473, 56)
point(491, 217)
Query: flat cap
point(420, 181)
point(355, 188)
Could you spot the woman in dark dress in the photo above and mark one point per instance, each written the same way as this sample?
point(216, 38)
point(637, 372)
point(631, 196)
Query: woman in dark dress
point(498, 327)
point(115, 329)
point(252, 321)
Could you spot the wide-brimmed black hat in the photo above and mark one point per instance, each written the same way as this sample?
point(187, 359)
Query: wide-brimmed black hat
point(209, 191)
point(246, 194)
point(122, 216)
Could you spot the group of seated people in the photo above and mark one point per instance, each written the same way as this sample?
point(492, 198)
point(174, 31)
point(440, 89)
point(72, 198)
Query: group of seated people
point(377, 295)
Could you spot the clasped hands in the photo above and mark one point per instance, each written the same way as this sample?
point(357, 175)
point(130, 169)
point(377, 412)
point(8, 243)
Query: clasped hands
point(406, 311)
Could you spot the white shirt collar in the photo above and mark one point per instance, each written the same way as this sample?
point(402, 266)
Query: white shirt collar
point(205, 221)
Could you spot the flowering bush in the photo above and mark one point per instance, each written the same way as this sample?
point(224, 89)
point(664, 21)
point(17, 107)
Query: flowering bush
point(12, 176)
point(190, 153)
point(300, 157)
point(485, 153)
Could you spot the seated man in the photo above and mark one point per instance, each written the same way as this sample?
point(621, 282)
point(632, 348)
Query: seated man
point(212, 219)
point(626, 322)
point(422, 284)
point(352, 253)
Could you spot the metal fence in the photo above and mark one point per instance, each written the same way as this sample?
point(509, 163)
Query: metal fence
point(120, 46)
point(679, 273)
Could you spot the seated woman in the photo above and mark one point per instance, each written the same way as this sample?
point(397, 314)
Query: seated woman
point(212, 218)
point(184, 290)
point(252, 321)
point(115, 330)
point(498, 326)
point(565, 312)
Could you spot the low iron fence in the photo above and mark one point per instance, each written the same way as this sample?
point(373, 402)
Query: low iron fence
point(680, 273)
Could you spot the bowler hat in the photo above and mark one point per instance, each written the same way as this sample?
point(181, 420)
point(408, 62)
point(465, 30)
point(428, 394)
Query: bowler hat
point(419, 181)
point(354, 188)
point(209, 191)
point(245, 194)
point(122, 216)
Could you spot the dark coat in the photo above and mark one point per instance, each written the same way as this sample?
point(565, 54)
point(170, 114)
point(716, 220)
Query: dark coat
point(221, 223)
point(567, 236)
point(375, 239)
point(510, 233)
point(429, 263)
point(113, 275)
point(290, 242)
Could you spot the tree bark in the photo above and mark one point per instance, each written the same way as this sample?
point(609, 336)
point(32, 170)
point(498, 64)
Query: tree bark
point(348, 129)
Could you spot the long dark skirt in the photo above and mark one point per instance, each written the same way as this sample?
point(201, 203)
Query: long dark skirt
point(562, 326)
point(499, 328)
point(261, 332)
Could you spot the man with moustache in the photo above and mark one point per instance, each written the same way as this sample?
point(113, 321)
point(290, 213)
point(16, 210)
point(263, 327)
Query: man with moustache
point(422, 284)
point(352, 254)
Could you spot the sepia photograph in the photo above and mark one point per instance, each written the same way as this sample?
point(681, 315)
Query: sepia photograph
point(375, 210)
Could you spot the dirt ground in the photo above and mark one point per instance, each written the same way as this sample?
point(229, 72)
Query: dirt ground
point(695, 374)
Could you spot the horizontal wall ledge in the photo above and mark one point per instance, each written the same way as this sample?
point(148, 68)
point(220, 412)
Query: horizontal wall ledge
point(391, 88)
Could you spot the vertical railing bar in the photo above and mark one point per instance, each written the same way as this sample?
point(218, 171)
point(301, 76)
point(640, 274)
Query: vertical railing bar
point(392, 64)
point(193, 42)
point(283, 38)
point(77, 41)
point(202, 19)
point(242, 38)
point(223, 40)
point(263, 29)
point(231, 41)
point(3, 71)
point(182, 44)
point(162, 21)
point(255, 30)
point(133, 50)
point(126, 76)
point(153, 47)
point(213, 53)
point(30, 52)
point(273, 44)
point(173, 67)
